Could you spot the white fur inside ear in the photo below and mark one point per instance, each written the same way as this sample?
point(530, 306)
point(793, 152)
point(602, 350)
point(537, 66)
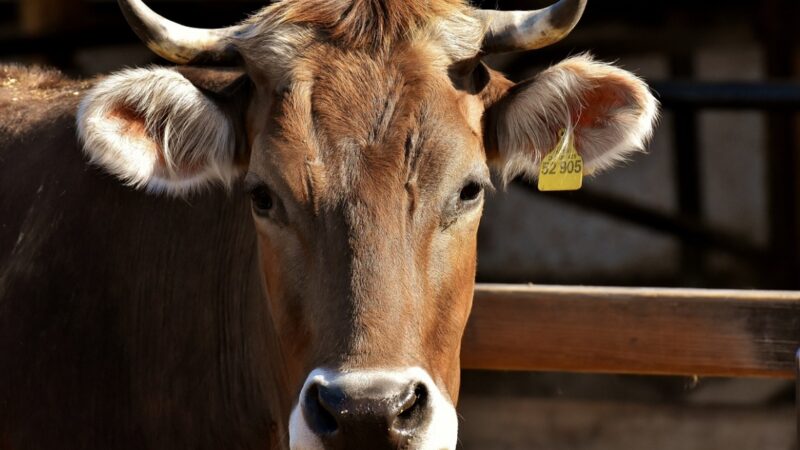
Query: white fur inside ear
point(527, 127)
point(155, 130)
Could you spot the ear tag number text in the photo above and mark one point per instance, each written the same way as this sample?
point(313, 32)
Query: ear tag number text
point(562, 168)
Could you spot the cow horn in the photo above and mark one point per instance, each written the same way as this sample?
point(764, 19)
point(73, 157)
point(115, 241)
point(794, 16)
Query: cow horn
point(508, 31)
point(178, 43)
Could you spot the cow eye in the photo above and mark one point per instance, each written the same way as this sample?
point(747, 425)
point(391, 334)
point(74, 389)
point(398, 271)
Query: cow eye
point(471, 192)
point(467, 199)
point(262, 200)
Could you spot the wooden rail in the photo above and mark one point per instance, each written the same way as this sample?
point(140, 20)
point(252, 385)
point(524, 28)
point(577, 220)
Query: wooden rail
point(634, 331)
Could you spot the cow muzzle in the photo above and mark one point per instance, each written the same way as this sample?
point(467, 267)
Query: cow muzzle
point(373, 410)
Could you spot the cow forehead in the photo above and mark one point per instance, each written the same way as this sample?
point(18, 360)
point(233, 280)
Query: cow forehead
point(351, 124)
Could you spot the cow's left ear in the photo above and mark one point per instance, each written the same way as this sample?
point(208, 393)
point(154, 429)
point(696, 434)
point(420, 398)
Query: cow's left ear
point(167, 130)
point(610, 110)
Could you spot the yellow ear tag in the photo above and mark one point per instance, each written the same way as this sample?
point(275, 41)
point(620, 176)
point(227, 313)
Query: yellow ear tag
point(562, 168)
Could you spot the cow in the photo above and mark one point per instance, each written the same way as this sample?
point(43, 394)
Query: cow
point(273, 244)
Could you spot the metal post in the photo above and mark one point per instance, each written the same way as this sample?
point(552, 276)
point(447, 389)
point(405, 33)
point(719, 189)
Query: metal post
point(778, 30)
point(688, 172)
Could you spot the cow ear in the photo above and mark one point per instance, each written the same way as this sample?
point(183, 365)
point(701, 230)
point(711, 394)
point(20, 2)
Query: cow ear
point(610, 111)
point(157, 130)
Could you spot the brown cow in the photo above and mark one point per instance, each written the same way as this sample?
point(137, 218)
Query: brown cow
point(363, 131)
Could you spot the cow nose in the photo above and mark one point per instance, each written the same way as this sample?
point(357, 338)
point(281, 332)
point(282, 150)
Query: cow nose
point(368, 415)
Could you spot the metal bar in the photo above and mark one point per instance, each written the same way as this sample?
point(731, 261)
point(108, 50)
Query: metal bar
point(715, 95)
point(685, 228)
point(633, 330)
point(779, 26)
point(687, 174)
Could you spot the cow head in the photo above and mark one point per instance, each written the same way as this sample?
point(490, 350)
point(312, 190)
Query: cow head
point(364, 131)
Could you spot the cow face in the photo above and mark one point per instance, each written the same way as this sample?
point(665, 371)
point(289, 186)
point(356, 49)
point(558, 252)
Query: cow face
point(365, 138)
point(367, 173)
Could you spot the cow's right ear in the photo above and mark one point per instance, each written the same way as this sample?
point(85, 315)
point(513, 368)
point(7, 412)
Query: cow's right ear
point(157, 130)
point(609, 112)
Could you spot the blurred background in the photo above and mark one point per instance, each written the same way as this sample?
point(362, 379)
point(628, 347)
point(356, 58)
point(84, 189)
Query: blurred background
point(715, 203)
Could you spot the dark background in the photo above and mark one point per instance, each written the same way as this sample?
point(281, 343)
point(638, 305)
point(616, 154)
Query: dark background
point(715, 203)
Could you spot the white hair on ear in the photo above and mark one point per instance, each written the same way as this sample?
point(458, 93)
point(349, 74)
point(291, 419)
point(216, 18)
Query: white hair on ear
point(529, 124)
point(155, 130)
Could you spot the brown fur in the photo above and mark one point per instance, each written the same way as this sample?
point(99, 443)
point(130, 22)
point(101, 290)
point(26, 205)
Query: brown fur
point(364, 24)
point(118, 327)
point(30, 93)
point(364, 134)
point(365, 150)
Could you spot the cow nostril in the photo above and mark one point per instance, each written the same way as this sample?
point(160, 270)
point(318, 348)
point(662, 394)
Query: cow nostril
point(345, 415)
point(317, 411)
point(413, 412)
point(414, 402)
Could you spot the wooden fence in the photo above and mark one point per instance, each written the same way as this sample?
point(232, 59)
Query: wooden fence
point(634, 331)
point(646, 331)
